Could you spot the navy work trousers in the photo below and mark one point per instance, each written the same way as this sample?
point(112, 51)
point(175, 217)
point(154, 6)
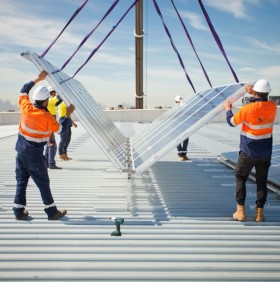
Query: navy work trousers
point(50, 151)
point(65, 138)
point(182, 148)
point(35, 167)
point(242, 171)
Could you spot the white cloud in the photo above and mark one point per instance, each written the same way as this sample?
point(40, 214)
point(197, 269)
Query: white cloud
point(165, 74)
point(275, 48)
point(248, 69)
point(272, 71)
point(17, 32)
point(195, 20)
point(118, 60)
point(237, 7)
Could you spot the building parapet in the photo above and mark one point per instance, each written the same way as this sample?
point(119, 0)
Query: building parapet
point(127, 115)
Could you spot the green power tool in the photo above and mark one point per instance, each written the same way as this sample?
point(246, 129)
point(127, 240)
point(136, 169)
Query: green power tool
point(118, 221)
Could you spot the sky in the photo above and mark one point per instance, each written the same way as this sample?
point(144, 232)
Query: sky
point(248, 30)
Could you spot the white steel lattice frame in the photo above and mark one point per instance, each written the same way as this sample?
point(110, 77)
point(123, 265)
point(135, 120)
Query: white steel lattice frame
point(142, 150)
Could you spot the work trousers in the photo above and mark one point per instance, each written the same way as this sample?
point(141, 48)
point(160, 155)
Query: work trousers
point(182, 148)
point(35, 167)
point(50, 151)
point(242, 171)
point(65, 139)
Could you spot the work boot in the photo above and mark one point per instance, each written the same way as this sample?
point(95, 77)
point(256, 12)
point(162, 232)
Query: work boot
point(68, 158)
point(54, 167)
point(24, 216)
point(259, 215)
point(185, 158)
point(59, 214)
point(240, 213)
point(63, 157)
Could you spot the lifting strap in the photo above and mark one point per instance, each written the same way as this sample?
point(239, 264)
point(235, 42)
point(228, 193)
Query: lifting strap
point(106, 37)
point(173, 45)
point(216, 37)
point(190, 40)
point(88, 35)
point(71, 19)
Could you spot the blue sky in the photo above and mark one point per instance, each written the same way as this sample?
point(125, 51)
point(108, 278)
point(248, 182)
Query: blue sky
point(248, 29)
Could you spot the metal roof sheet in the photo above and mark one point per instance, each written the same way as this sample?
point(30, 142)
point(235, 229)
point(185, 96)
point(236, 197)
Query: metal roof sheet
point(179, 225)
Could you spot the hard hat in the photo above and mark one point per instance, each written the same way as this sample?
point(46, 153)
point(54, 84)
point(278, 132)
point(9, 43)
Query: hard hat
point(41, 93)
point(262, 86)
point(50, 88)
point(178, 99)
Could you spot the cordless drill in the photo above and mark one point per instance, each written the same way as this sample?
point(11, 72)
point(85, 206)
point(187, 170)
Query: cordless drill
point(118, 221)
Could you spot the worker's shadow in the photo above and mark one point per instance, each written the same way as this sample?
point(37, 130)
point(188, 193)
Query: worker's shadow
point(202, 190)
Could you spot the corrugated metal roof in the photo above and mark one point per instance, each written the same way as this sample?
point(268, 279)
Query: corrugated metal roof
point(179, 225)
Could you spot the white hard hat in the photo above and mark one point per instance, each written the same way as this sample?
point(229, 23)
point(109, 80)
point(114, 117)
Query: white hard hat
point(178, 99)
point(50, 88)
point(262, 86)
point(41, 93)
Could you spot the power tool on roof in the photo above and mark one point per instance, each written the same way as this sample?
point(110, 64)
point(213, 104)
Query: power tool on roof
point(118, 222)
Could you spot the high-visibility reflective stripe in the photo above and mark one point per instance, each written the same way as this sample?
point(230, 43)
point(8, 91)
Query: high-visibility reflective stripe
point(256, 137)
point(18, 206)
point(37, 140)
point(30, 130)
point(268, 125)
point(49, 206)
point(232, 121)
point(59, 129)
point(181, 152)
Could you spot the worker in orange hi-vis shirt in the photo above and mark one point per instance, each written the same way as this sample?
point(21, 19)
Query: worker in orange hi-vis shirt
point(35, 128)
point(257, 120)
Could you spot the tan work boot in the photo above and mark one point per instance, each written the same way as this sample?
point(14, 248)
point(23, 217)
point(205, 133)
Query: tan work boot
point(185, 158)
point(63, 157)
point(240, 213)
point(259, 215)
point(59, 214)
point(68, 158)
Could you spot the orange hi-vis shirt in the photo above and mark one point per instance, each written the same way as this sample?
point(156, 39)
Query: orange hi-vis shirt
point(36, 125)
point(257, 119)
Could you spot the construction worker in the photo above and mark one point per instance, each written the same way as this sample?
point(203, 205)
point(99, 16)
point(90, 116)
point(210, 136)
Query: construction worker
point(35, 128)
point(51, 147)
point(65, 137)
point(257, 120)
point(183, 146)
